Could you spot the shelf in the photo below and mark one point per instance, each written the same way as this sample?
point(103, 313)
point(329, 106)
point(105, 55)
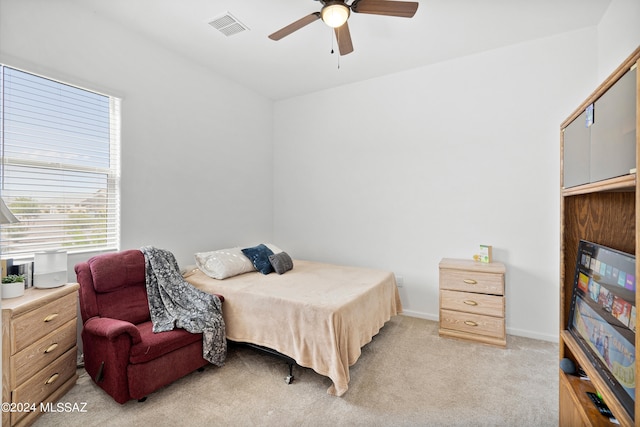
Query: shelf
point(579, 388)
point(620, 183)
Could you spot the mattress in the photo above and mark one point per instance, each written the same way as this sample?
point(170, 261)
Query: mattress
point(319, 314)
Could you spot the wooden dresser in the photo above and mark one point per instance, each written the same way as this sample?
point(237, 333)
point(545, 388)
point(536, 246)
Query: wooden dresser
point(472, 301)
point(39, 352)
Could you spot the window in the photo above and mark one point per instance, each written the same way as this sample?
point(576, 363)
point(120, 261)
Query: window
point(60, 166)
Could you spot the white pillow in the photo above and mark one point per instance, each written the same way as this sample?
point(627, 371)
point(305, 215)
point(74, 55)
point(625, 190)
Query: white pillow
point(223, 263)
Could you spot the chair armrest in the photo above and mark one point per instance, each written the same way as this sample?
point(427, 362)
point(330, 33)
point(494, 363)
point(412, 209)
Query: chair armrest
point(112, 328)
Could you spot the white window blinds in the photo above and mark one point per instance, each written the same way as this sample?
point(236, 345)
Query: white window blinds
point(60, 166)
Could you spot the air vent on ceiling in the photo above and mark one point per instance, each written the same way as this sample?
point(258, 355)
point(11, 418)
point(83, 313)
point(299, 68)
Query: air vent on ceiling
point(228, 25)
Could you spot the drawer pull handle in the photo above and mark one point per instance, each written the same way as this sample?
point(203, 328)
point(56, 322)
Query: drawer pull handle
point(469, 281)
point(470, 302)
point(470, 323)
point(52, 379)
point(50, 317)
point(51, 348)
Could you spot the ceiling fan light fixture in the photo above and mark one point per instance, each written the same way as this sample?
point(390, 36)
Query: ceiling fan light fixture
point(335, 14)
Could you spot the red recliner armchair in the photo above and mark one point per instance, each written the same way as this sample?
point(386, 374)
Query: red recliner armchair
point(121, 353)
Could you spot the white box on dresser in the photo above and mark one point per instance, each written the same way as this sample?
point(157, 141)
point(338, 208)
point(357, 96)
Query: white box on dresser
point(39, 350)
point(472, 301)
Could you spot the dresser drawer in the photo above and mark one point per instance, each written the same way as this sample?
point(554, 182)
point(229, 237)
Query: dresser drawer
point(477, 324)
point(472, 281)
point(30, 327)
point(34, 358)
point(490, 305)
point(45, 382)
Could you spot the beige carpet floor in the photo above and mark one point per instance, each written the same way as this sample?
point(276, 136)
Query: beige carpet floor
point(407, 376)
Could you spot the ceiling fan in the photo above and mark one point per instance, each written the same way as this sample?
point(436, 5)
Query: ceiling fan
point(335, 13)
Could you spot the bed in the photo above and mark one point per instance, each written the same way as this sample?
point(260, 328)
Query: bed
point(318, 314)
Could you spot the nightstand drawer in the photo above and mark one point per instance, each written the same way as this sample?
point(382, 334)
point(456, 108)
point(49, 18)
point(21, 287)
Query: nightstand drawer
point(34, 325)
point(45, 382)
point(472, 281)
point(472, 323)
point(34, 358)
point(490, 305)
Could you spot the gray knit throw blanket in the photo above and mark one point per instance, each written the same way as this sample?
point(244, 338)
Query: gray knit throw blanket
point(175, 303)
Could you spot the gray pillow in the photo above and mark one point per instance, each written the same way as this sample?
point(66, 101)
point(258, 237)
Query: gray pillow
point(281, 262)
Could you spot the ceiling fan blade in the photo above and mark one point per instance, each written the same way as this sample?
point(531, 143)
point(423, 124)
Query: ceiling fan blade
point(295, 26)
point(344, 39)
point(404, 9)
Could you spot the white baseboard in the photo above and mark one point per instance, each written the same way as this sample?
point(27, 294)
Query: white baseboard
point(420, 315)
point(532, 334)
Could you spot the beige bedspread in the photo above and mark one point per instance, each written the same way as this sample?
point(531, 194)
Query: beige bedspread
point(318, 314)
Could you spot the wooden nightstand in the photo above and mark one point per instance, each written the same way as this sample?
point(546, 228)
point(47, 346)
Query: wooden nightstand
point(39, 351)
point(472, 301)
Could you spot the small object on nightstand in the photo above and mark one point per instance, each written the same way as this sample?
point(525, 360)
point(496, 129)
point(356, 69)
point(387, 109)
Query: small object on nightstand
point(50, 269)
point(485, 254)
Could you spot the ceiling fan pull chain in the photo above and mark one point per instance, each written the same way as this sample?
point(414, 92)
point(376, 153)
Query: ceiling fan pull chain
point(331, 32)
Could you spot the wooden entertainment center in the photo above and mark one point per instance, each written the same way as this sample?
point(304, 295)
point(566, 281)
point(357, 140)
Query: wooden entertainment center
point(599, 199)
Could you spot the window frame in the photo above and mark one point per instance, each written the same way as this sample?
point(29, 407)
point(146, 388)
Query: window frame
point(106, 231)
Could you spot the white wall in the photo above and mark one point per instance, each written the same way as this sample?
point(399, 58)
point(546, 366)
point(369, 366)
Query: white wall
point(618, 35)
point(400, 171)
point(194, 175)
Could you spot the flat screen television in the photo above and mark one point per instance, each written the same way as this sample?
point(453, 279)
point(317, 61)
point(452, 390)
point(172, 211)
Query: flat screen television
point(603, 313)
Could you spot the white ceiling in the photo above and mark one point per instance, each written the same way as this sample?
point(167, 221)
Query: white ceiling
point(302, 63)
